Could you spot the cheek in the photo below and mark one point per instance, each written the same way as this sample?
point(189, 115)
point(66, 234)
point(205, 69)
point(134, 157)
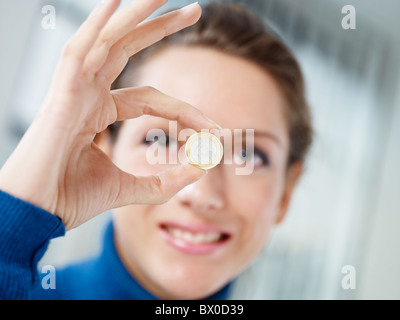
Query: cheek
point(256, 200)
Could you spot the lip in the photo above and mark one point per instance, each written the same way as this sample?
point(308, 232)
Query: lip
point(194, 248)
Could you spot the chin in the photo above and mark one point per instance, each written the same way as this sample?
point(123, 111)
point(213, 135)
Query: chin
point(188, 284)
point(191, 291)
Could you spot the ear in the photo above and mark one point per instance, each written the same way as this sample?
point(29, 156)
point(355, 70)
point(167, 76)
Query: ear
point(103, 141)
point(292, 177)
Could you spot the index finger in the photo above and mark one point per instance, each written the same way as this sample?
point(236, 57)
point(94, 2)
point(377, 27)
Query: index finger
point(135, 102)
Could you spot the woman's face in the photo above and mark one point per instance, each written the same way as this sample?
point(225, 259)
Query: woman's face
point(193, 245)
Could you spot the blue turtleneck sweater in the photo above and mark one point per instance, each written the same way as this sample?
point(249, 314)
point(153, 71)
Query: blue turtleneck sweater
point(25, 231)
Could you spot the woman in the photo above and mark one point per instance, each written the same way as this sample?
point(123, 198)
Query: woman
point(72, 165)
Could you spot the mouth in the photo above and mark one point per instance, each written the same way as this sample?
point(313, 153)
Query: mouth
point(194, 239)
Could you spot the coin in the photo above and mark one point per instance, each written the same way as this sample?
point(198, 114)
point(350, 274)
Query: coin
point(204, 150)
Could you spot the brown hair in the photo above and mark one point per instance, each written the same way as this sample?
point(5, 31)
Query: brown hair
point(235, 30)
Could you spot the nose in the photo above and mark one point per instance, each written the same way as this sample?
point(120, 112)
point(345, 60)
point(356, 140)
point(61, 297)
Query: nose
point(205, 196)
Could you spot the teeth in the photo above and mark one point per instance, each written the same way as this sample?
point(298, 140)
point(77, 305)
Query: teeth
point(195, 238)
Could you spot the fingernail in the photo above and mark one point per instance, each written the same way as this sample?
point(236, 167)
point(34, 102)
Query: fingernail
point(216, 132)
point(214, 124)
point(189, 7)
point(104, 2)
point(204, 173)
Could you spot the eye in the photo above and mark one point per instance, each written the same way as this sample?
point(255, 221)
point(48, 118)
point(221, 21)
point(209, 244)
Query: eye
point(259, 157)
point(163, 140)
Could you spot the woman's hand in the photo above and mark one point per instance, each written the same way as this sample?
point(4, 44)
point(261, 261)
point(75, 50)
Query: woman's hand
point(56, 166)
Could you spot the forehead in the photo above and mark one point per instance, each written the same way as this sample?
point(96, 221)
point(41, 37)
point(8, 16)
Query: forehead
point(234, 92)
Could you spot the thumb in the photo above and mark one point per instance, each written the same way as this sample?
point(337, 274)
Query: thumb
point(175, 179)
point(156, 189)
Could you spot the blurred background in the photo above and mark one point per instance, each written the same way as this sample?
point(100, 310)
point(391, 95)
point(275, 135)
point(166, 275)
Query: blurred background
point(346, 210)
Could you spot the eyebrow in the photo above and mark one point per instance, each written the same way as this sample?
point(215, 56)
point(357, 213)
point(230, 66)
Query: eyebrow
point(265, 134)
point(268, 135)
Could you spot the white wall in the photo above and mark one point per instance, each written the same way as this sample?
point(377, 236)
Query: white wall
point(380, 278)
point(15, 23)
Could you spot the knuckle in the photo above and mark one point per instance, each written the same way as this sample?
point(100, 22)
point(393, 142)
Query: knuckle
point(157, 187)
point(68, 48)
point(105, 40)
point(164, 32)
point(150, 89)
point(123, 53)
point(70, 51)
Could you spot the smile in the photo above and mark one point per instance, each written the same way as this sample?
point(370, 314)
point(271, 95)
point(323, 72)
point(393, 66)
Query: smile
point(194, 239)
